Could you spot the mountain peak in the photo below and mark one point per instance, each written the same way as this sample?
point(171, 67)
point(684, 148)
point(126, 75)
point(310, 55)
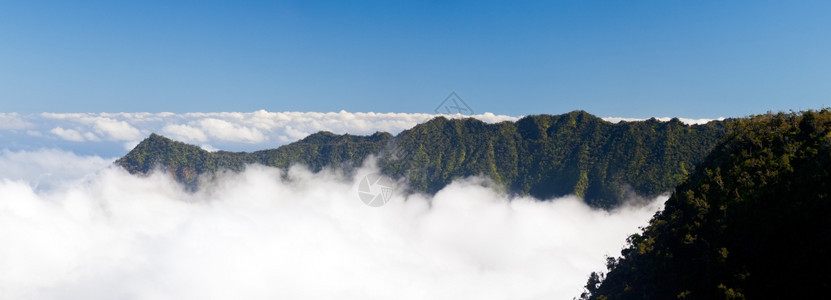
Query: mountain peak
point(155, 137)
point(158, 151)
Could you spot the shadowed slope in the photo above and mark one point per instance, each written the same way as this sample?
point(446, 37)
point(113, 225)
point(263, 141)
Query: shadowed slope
point(751, 222)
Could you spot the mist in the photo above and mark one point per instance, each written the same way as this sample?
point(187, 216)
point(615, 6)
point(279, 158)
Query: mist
point(93, 231)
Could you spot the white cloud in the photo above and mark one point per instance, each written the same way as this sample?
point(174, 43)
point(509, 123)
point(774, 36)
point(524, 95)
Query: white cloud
point(184, 133)
point(233, 131)
point(116, 130)
point(67, 134)
point(64, 116)
point(12, 121)
point(227, 131)
point(89, 136)
point(687, 121)
point(48, 168)
point(260, 129)
point(260, 235)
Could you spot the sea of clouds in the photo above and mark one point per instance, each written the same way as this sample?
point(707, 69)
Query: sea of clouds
point(112, 134)
point(76, 227)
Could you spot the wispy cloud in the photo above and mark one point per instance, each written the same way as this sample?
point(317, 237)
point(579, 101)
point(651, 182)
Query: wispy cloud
point(68, 134)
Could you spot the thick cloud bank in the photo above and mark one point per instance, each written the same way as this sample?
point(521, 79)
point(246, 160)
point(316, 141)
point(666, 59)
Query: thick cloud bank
point(261, 235)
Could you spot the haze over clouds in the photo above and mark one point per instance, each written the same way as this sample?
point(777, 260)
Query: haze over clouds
point(114, 133)
point(257, 235)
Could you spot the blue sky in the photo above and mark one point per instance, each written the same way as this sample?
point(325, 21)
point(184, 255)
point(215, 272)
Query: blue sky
point(696, 59)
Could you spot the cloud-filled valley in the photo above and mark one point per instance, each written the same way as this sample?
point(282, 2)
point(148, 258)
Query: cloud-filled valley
point(97, 232)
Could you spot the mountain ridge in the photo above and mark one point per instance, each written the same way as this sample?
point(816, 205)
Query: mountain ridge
point(539, 155)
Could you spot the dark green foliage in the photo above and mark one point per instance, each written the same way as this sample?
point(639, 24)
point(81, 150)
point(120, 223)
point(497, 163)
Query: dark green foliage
point(752, 222)
point(548, 156)
point(542, 155)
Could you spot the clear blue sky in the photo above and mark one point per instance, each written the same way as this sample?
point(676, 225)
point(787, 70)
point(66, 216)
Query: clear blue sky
point(695, 59)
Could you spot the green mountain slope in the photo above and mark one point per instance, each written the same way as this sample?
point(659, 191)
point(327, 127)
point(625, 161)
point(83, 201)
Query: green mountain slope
point(542, 155)
point(752, 222)
point(186, 162)
point(547, 156)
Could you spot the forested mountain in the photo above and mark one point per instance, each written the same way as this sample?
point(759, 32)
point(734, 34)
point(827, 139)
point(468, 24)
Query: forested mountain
point(752, 222)
point(541, 155)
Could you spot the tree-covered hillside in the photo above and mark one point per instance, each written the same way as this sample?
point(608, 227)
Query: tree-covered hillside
point(752, 222)
point(542, 155)
point(554, 155)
